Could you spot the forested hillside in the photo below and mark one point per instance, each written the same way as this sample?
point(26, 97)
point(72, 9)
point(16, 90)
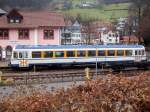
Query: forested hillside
point(36, 4)
point(115, 1)
point(23, 3)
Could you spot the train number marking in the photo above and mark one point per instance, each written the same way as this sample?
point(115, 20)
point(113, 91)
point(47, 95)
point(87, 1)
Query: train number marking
point(23, 63)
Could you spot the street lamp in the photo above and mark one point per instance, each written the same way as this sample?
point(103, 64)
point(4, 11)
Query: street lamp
point(96, 61)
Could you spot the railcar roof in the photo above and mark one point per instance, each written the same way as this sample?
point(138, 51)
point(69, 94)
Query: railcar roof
point(74, 46)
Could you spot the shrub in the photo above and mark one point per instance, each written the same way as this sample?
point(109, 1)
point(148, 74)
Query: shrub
point(107, 93)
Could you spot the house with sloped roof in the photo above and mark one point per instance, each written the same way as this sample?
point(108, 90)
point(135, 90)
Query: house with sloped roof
point(66, 33)
point(131, 39)
point(2, 12)
point(110, 37)
point(71, 34)
point(92, 32)
point(29, 28)
point(76, 32)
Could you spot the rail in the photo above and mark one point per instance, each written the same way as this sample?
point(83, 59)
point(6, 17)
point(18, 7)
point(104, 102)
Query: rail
point(39, 78)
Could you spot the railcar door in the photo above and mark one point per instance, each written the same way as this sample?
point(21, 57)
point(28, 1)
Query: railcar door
point(23, 59)
point(138, 54)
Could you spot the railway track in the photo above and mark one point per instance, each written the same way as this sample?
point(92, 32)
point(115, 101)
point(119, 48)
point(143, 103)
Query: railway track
point(44, 69)
point(5, 69)
point(56, 69)
point(62, 76)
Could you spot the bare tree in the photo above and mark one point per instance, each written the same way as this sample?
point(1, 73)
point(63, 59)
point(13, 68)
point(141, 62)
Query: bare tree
point(141, 9)
point(86, 23)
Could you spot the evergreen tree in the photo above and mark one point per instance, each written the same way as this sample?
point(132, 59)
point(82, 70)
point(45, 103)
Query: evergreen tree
point(24, 3)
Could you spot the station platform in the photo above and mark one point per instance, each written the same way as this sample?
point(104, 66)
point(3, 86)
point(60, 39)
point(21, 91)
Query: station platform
point(4, 63)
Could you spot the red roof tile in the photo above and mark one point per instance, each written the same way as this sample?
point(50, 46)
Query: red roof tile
point(131, 38)
point(35, 19)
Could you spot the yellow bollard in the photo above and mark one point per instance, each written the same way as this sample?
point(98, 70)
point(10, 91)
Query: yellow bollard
point(1, 76)
point(9, 81)
point(87, 72)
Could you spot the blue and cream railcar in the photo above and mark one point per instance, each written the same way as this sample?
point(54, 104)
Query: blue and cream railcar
point(28, 56)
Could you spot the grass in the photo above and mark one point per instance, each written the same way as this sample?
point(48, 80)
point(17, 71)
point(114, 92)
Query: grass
point(79, 1)
point(106, 12)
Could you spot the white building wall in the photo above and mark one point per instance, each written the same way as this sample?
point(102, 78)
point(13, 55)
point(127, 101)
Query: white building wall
point(35, 37)
point(110, 38)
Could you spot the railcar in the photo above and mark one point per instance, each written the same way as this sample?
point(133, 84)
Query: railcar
point(27, 56)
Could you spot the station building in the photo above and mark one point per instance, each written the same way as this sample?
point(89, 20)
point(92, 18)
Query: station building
point(29, 28)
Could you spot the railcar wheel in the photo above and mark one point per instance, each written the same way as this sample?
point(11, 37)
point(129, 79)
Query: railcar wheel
point(118, 68)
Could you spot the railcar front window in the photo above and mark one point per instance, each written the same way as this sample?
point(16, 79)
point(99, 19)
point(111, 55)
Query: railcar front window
point(143, 52)
point(111, 53)
point(140, 53)
point(91, 53)
point(136, 52)
point(20, 55)
point(15, 55)
point(101, 53)
point(128, 52)
point(59, 54)
point(25, 54)
point(81, 53)
point(70, 53)
point(120, 53)
point(36, 54)
point(48, 54)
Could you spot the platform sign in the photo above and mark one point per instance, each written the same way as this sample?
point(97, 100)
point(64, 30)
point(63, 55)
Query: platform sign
point(23, 63)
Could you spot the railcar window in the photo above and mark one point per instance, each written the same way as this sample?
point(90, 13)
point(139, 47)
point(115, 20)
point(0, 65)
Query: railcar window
point(120, 53)
point(70, 53)
point(48, 54)
point(136, 52)
point(92, 53)
point(36, 54)
point(128, 52)
point(59, 54)
point(15, 55)
point(81, 53)
point(111, 52)
point(101, 53)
